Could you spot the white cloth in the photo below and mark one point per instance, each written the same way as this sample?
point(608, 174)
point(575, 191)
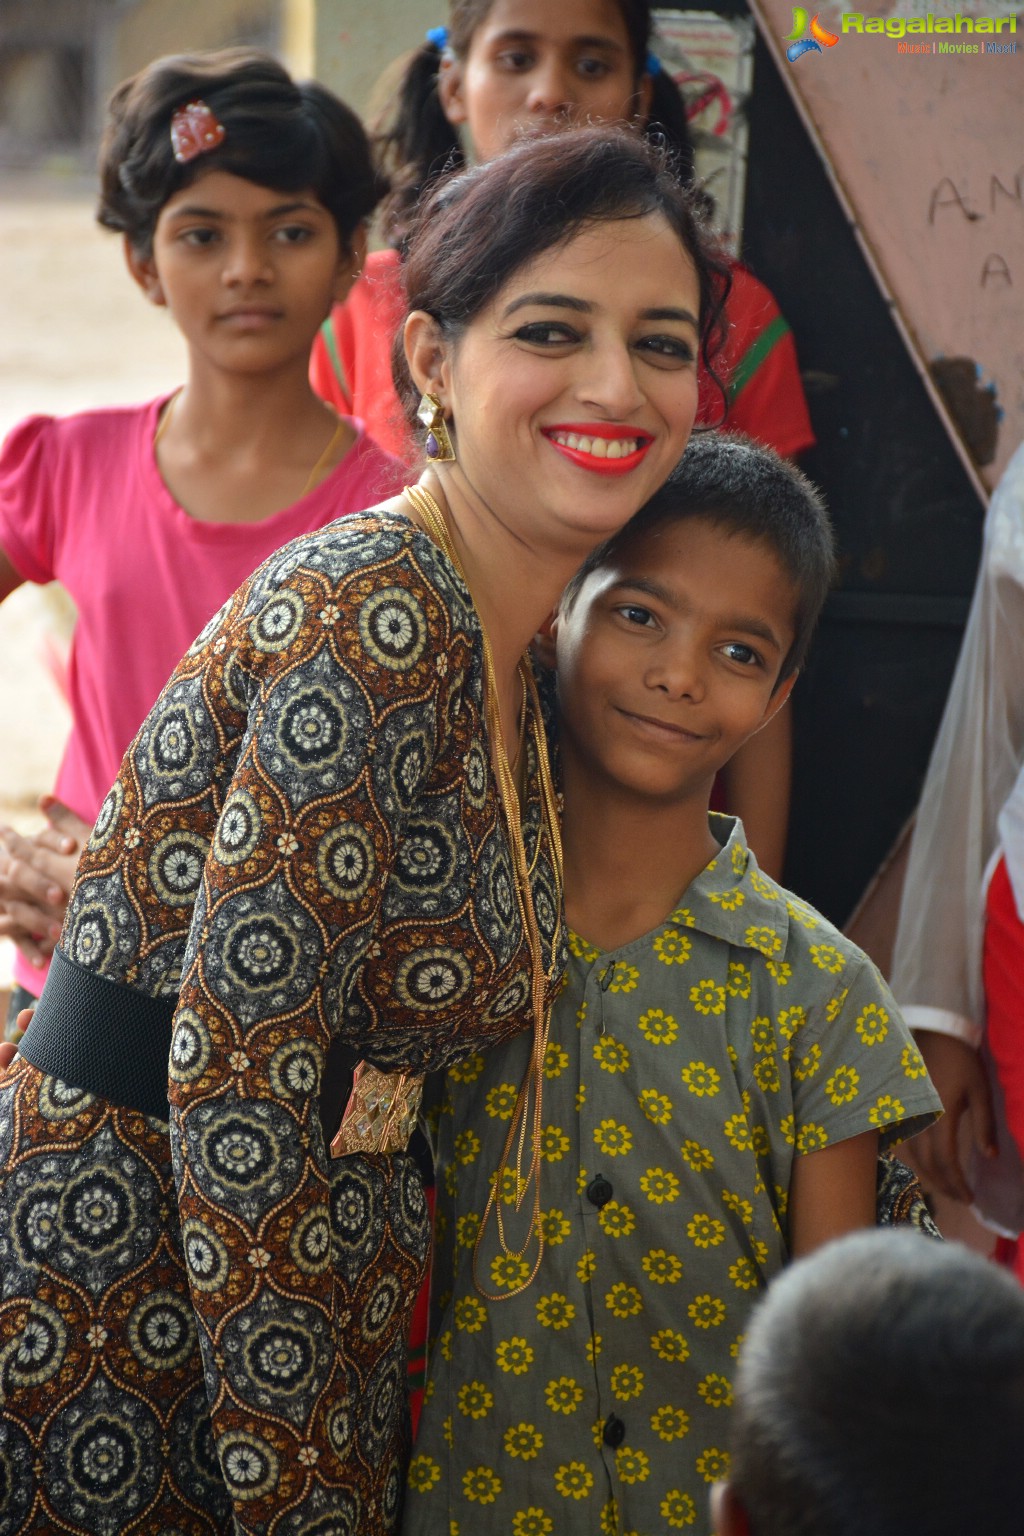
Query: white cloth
point(972, 805)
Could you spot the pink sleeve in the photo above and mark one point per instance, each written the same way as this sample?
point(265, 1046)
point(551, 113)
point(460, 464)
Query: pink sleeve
point(28, 532)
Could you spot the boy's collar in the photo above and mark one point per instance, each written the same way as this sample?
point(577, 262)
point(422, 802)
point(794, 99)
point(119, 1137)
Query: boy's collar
point(733, 901)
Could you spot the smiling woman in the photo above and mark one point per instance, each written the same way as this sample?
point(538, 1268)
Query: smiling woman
point(333, 837)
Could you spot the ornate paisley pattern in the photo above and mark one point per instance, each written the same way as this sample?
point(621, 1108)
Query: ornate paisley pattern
point(204, 1331)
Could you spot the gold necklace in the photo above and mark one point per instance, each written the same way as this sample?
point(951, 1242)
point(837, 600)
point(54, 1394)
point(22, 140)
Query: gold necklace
point(529, 1101)
point(314, 472)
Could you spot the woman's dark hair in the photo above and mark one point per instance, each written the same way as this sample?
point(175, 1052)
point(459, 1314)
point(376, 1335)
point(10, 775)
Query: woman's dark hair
point(474, 231)
point(278, 134)
point(416, 143)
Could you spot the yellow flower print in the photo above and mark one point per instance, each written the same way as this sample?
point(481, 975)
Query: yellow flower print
point(581, 1014)
point(523, 1441)
point(656, 1106)
point(766, 1075)
point(716, 1391)
point(738, 1206)
point(808, 1064)
point(582, 1179)
point(700, 1159)
point(581, 949)
point(842, 1086)
point(886, 1110)
point(729, 901)
point(467, 1145)
point(624, 977)
point(802, 914)
point(759, 1248)
point(475, 1401)
point(763, 886)
point(613, 1139)
point(632, 1466)
point(627, 1381)
point(573, 1481)
point(660, 1187)
point(762, 1033)
point(514, 1356)
point(581, 1096)
point(423, 1473)
point(593, 1348)
point(701, 1079)
point(670, 1423)
point(658, 1027)
point(586, 1265)
point(790, 1020)
point(555, 1060)
point(827, 958)
point(481, 1485)
point(872, 1024)
point(531, 1522)
point(500, 1102)
point(554, 1311)
point(661, 1267)
point(670, 1346)
point(737, 1345)
point(739, 859)
point(834, 1006)
point(678, 1510)
point(811, 1138)
point(509, 1271)
point(911, 1062)
point(554, 1143)
point(705, 1231)
point(733, 1054)
point(787, 1127)
point(470, 1314)
point(624, 1300)
point(563, 1395)
point(513, 1184)
point(737, 1133)
point(444, 1344)
point(713, 1466)
point(616, 1220)
point(780, 971)
point(555, 1226)
point(759, 1140)
point(466, 1229)
point(708, 997)
point(469, 1070)
point(451, 1180)
point(673, 947)
point(739, 982)
point(706, 1311)
point(743, 1275)
point(781, 1194)
point(765, 940)
point(610, 1519)
point(611, 1055)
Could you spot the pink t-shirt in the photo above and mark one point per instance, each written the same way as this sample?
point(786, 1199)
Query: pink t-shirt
point(82, 503)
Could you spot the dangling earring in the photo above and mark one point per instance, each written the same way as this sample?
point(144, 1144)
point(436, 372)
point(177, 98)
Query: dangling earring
point(438, 444)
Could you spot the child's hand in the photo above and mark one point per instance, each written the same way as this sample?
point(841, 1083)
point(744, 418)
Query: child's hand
point(36, 875)
point(9, 1051)
point(956, 1071)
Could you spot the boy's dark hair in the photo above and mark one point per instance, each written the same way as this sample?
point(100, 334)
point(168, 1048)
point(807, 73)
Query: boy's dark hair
point(416, 143)
point(476, 230)
point(278, 134)
point(881, 1390)
point(734, 484)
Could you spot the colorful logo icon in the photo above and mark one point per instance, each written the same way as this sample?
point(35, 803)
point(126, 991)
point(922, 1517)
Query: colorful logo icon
point(799, 45)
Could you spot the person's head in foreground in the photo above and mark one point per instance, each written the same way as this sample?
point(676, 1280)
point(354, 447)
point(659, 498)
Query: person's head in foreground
point(880, 1392)
point(682, 635)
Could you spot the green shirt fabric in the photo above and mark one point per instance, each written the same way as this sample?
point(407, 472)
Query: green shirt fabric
point(684, 1074)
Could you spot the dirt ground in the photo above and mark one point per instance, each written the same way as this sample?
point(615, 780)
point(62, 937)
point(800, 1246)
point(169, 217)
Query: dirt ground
point(74, 333)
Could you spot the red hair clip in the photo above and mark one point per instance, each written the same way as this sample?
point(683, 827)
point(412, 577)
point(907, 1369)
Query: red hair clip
point(194, 131)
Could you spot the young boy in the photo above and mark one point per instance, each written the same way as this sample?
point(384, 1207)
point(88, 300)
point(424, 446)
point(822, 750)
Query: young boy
point(722, 1063)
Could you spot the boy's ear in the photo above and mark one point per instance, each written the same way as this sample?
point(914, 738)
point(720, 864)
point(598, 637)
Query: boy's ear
point(544, 641)
point(778, 698)
point(143, 271)
point(450, 92)
point(728, 1516)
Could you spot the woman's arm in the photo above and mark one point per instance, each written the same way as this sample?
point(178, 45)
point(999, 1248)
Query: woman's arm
point(832, 1192)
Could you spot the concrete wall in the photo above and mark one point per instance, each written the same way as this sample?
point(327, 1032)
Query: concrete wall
point(349, 43)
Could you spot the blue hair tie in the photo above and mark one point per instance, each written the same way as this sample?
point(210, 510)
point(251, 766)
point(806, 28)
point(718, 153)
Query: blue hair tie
point(438, 38)
point(652, 64)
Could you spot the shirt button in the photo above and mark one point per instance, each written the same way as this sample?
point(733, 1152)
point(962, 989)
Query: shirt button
point(614, 1431)
point(599, 1191)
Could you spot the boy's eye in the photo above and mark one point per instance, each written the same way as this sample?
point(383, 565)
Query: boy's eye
point(744, 654)
point(668, 351)
point(546, 333)
point(634, 613)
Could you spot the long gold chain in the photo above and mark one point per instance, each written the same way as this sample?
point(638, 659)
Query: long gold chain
point(529, 1101)
point(311, 478)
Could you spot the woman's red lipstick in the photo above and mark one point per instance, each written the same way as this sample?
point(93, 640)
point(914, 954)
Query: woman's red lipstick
point(600, 447)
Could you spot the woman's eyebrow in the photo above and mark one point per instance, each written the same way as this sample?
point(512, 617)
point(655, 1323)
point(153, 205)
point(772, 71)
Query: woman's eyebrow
point(551, 300)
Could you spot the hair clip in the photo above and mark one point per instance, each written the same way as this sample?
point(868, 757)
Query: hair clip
point(652, 64)
point(438, 38)
point(194, 131)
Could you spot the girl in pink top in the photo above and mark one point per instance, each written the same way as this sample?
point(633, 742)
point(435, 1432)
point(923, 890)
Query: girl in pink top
point(242, 199)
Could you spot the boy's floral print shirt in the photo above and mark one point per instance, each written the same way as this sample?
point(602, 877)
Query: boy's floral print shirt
point(685, 1072)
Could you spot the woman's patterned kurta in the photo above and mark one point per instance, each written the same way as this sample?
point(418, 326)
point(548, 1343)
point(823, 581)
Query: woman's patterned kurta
point(304, 841)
